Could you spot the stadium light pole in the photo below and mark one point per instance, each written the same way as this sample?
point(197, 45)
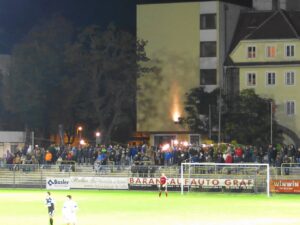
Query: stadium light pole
point(209, 121)
point(220, 117)
point(271, 122)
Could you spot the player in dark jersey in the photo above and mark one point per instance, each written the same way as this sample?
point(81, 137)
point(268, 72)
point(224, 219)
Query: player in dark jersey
point(49, 202)
point(163, 184)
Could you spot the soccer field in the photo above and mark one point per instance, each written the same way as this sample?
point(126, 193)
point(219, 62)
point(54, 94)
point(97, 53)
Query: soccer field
point(146, 208)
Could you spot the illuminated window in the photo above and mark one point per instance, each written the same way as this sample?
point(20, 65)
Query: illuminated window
point(271, 51)
point(251, 52)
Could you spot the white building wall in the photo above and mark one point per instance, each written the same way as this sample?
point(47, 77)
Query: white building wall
point(208, 7)
point(208, 35)
point(262, 4)
point(12, 136)
point(283, 4)
point(9, 140)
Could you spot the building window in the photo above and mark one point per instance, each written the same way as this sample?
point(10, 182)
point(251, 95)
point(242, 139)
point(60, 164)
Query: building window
point(163, 139)
point(290, 108)
point(290, 78)
point(208, 21)
point(270, 51)
point(195, 139)
point(208, 77)
point(251, 52)
point(208, 49)
point(271, 76)
point(289, 50)
point(251, 79)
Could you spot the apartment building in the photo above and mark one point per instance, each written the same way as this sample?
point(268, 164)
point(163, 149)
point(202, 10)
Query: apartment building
point(188, 41)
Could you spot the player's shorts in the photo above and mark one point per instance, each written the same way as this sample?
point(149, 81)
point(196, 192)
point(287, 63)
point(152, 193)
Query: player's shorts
point(51, 211)
point(163, 187)
point(70, 218)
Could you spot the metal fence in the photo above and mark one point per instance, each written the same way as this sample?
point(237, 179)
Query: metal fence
point(34, 176)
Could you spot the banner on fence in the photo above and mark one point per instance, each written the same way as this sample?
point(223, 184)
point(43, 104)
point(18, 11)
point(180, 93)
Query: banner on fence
point(117, 183)
point(285, 186)
point(57, 183)
point(195, 182)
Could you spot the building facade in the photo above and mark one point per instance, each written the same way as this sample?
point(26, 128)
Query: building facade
point(11, 141)
point(290, 5)
point(188, 42)
point(265, 52)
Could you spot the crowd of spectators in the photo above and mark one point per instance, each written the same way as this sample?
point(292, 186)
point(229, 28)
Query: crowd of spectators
point(144, 155)
point(54, 154)
point(227, 153)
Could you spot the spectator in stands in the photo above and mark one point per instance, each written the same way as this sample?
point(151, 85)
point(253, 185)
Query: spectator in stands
point(9, 160)
point(53, 152)
point(181, 157)
point(272, 153)
point(247, 154)
point(254, 155)
point(201, 155)
point(112, 155)
point(291, 153)
point(133, 151)
point(211, 152)
point(17, 161)
point(260, 155)
point(157, 157)
point(167, 158)
point(297, 156)
point(229, 158)
point(103, 157)
point(219, 157)
point(278, 163)
point(286, 161)
point(90, 155)
point(238, 154)
point(123, 157)
point(48, 157)
point(137, 158)
point(79, 155)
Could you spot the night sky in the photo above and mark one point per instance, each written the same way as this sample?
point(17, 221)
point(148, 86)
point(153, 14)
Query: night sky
point(18, 16)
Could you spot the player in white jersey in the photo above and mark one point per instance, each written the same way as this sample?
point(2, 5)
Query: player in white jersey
point(69, 211)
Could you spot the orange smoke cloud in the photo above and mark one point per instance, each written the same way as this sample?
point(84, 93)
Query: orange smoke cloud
point(176, 109)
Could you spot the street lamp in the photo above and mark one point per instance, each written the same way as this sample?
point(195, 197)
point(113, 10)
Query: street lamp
point(79, 131)
point(98, 138)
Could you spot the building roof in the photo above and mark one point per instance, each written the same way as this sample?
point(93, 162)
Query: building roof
point(247, 3)
point(268, 29)
point(265, 25)
point(275, 63)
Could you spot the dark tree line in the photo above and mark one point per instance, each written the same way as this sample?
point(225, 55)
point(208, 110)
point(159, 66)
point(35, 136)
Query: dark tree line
point(245, 118)
point(63, 75)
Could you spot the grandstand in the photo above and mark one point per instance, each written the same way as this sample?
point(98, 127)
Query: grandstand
point(34, 176)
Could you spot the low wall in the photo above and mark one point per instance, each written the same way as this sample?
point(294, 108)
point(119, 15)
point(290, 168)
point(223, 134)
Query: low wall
point(122, 178)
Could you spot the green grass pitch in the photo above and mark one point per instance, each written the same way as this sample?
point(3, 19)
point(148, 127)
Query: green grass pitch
point(26, 207)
